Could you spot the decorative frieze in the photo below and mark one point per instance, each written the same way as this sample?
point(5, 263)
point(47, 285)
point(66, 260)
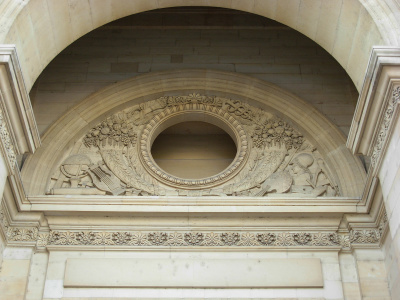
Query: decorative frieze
point(384, 129)
point(208, 239)
point(6, 141)
point(239, 239)
point(17, 233)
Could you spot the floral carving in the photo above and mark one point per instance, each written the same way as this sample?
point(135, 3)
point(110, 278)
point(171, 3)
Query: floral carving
point(157, 238)
point(266, 238)
point(230, 238)
point(140, 239)
point(17, 234)
point(6, 141)
point(249, 239)
point(273, 157)
point(380, 141)
point(42, 240)
point(176, 239)
point(22, 234)
point(194, 238)
point(302, 238)
point(114, 131)
point(276, 132)
point(212, 239)
point(193, 98)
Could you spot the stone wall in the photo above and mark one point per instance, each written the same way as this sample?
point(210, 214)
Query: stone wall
point(14, 273)
point(389, 177)
point(111, 54)
point(372, 274)
point(345, 276)
point(392, 267)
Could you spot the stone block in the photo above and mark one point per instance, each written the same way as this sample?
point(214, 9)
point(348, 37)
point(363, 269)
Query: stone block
point(351, 291)
point(268, 68)
point(371, 270)
point(192, 273)
point(371, 288)
point(327, 23)
point(124, 67)
point(308, 16)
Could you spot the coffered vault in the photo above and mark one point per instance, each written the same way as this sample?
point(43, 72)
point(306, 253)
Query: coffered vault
point(294, 195)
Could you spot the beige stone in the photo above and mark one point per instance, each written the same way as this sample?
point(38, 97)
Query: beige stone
point(347, 233)
point(192, 273)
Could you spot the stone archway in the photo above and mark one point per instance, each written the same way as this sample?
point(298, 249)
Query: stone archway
point(42, 29)
point(60, 139)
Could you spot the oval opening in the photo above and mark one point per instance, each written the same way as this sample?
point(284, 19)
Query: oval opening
point(193, 150)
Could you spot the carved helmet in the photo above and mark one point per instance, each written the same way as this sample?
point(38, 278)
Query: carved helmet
point(304, 160)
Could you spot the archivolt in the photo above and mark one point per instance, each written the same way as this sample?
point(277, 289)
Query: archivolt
point(60, 138)
point(345, 29)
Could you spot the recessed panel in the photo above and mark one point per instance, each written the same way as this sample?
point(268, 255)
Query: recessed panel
point(199, 273)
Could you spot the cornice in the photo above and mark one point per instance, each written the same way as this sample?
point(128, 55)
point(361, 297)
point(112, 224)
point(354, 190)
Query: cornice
point(15, 103)
point(16, 235)
point(242, 239)
point(22, 234)
point(376, 106)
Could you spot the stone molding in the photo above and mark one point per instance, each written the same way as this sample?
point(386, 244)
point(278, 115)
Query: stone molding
point(6, 144)
point(385, 129)
point(376, 105)
point(356, 238)
point(194, 104)
point(359, 235)
point(376, 113)
point(15, 103)
point(17, 235)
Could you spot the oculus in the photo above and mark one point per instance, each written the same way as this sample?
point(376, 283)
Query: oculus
point(272, 157)
point(193, 150)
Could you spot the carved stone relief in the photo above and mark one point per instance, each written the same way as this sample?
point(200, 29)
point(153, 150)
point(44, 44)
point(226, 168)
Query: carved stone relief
point(273, 157)
point(241, 239)
point(6, 141)
point(381, 138)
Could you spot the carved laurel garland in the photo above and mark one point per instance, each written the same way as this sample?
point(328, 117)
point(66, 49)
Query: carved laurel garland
point(6, 141)
point(380, 141)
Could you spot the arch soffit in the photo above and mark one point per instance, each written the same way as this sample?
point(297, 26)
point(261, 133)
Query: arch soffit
point(60, 138)
point(345, 29)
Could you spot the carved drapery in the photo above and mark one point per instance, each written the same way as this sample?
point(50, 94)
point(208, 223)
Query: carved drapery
point(273, 157)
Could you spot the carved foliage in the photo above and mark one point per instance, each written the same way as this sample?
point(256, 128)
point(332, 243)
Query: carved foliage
point(6, 141)
point(206, 239)
point(17, 234)
point(380, 141)
point(273, 157)
point(276, 132)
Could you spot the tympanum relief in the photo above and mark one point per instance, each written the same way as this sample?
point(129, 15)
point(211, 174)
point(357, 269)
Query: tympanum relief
point(273, 158)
